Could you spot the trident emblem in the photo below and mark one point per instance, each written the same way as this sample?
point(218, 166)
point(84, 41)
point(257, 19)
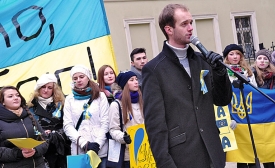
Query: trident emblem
point(238, 106)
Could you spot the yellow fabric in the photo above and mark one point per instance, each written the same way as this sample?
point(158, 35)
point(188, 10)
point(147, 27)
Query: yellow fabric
point(227, 136)
point(264, 138)
point(94, 159)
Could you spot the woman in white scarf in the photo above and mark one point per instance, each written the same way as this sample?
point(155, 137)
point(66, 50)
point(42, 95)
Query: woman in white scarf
point(46, 105)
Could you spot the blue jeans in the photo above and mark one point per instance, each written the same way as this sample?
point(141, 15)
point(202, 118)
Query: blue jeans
point(103, 162)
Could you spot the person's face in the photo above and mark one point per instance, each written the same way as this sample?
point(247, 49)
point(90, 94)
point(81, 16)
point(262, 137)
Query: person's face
point(46, 91)
point(234, 57)
point(133, 84)
point(180, 35)
point(140, 59)
point(109, 76)
point(262, 62)
point(12, 99)
point(80, 80)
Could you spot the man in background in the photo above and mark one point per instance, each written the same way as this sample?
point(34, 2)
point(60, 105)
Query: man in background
point(138, 60)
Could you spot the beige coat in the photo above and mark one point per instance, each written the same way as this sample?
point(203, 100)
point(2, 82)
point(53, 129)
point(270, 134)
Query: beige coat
point(114, 125)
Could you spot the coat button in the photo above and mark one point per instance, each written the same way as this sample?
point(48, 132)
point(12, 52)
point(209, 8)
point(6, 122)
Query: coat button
point(201, 130)
point(189, 87)
point(196, 107)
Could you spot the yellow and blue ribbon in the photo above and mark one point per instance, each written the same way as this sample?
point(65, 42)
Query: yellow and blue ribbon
point(57, 112)
point(203, 85)
point(86, 115)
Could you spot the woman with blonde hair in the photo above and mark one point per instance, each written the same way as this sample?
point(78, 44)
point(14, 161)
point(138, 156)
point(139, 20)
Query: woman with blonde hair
point(129, 97)
point(234, 57)
point(46, 104)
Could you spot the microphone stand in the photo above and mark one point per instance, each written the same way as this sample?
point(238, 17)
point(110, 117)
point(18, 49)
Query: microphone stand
point(239, 84)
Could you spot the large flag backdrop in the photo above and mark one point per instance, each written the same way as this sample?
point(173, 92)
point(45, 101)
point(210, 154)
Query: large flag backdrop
point(39, 36)
point(261, 113)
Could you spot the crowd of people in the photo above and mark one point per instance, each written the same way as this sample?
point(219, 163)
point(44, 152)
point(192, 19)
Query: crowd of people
point(178, 116)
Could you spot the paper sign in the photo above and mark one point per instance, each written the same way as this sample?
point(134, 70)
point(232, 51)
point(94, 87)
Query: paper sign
point(139, 150)
point(27, 143)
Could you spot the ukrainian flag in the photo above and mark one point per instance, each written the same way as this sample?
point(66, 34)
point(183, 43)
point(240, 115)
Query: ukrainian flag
point(261, 113)
point(39, 36)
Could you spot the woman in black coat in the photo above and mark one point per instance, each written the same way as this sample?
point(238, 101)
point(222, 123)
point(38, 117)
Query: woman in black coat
point(46, 105)
point(17, 122)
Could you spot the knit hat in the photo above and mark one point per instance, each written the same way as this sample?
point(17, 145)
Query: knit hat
point(44, 79)
point(231, 47)
point(264, 52)
point(123, 78)
point(81, 68)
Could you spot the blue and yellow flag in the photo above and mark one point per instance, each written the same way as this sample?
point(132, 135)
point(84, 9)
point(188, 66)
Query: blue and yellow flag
point(261, 113)
point(39, 36)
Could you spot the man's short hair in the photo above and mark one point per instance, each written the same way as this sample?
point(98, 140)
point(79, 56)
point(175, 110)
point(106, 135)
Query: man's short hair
point(166, 17)
point(137, 51)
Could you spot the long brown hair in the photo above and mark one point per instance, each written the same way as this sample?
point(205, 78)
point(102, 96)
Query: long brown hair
point(58, 95)
point(100, 76)
point(242, 63)
point(22, 104)
point(260, 73)
point(127, 104)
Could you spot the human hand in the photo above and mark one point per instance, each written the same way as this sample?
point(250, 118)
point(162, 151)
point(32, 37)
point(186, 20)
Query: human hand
point(127, 138)
point(47, 132)
point(93, 146)
point(28, 152)
point(233, 124)
point(213, 58)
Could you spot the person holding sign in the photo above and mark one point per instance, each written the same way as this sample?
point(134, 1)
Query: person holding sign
point(46, 104)
point(16, 121)
point(180, 87)
point(106, 76)
point(129, 97)
point(86, 115)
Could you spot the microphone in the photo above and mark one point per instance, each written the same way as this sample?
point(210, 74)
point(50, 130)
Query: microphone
point(195, 41)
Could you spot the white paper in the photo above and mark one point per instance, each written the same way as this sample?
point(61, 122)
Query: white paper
point(114, 150)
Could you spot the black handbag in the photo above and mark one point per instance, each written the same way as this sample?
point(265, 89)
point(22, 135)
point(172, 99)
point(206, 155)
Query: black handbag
point(120, 163)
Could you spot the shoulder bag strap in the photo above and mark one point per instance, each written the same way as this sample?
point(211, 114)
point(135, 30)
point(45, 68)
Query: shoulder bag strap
point(81, 118)
point(120, 116)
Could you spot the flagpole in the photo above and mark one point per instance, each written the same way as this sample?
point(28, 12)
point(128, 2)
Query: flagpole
point(239, 84)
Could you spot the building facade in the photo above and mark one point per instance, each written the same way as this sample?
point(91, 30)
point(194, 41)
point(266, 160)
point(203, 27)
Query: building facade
point(217, 23)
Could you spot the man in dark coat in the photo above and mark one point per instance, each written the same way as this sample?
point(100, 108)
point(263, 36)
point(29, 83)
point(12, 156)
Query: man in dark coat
point(179, 117)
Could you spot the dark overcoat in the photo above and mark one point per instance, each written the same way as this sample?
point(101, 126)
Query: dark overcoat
point(179, 118)
point(12, 126)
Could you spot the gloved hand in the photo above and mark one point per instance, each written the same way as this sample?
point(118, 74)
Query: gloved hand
point(93, 146)
point(214, 59)
point(233, 124)
point(127, 138)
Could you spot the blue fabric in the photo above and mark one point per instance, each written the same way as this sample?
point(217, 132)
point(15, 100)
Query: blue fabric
point(259, 108)
point(108, 88)
point(118, 95)
point(134, 97)
point(82, 161)
point(78, 96)
point(75, 26)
